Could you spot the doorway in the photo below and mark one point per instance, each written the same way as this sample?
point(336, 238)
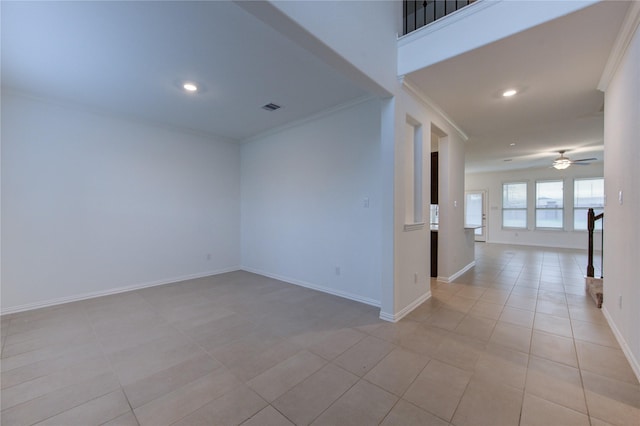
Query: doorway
point(475, 213)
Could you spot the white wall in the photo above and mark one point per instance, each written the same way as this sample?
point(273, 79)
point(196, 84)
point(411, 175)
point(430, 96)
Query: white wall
point(411, 243)
point(455, 253)
point(622, 173)
point(361, 35)
point(412, 249)
point(303, 203)
point(568, 238)
point(93, 203)
point(362, 32)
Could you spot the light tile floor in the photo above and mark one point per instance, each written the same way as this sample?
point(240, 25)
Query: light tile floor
point(515, 341)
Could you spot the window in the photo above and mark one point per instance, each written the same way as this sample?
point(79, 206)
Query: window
point(514, 205)
point(587, 193)
point(549, 204)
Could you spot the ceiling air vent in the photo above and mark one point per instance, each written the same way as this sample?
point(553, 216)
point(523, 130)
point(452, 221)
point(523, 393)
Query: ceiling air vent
point(271, 107)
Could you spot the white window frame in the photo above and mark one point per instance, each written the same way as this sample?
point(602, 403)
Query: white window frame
point(586, 209)
point(525, 208)
point(559, 209)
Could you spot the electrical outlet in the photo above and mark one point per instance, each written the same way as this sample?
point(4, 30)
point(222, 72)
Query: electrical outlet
point(415, 278)
point(338, 270)
point(208, 256)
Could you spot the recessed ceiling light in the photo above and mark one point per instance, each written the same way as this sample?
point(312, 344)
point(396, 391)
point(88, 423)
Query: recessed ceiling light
point(190, 87)
point(512, 144)
point(509, 93)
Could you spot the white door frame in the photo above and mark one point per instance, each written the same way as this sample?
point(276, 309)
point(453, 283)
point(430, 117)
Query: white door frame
point(480, 233)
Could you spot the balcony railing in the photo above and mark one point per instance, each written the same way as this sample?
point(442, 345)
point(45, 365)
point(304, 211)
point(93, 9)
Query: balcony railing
point(417, 14)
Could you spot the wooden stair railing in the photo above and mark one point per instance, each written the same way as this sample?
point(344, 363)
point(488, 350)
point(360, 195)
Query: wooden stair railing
point(591, 225)
point(594, 286)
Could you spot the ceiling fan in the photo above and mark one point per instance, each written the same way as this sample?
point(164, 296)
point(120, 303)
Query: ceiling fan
point(563, 162)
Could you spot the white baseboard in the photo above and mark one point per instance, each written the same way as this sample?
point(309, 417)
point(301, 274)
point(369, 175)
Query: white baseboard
point(329, 290)
point(558, 246)
point(406, 310)
point(457, 274)
point(635, 365)
point(84, 296)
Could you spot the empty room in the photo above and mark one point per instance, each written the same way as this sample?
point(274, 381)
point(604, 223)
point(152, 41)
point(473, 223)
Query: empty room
point(320, 212)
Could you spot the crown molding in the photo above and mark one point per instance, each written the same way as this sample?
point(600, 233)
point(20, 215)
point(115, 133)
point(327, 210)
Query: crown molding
point(308, 119)
point(424, 99)
point(620, 46)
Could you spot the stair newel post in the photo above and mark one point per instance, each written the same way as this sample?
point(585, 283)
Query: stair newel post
point(590, 227)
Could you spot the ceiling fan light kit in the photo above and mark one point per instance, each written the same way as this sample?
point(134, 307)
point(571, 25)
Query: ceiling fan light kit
point(563, 162)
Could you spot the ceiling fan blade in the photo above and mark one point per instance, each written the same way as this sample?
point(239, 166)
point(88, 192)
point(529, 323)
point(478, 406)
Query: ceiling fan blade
point(584, 159)
point(579, 164)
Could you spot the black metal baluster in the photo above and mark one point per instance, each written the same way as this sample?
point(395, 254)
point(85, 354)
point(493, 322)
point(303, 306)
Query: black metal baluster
point(424, 12)
point(404, 16)
point(432, 10)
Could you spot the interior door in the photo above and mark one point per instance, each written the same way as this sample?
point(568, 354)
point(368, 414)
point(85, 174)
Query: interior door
point(475, 213)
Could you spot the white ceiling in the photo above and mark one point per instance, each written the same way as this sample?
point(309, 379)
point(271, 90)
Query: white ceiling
point(556, 68)
point(129, 57)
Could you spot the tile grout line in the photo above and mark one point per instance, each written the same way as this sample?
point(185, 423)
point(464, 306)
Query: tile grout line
point(106, 357)
point(584, 392)
point(338, 398)
point(526, 376)
point(197, 344)
point(71, 385)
